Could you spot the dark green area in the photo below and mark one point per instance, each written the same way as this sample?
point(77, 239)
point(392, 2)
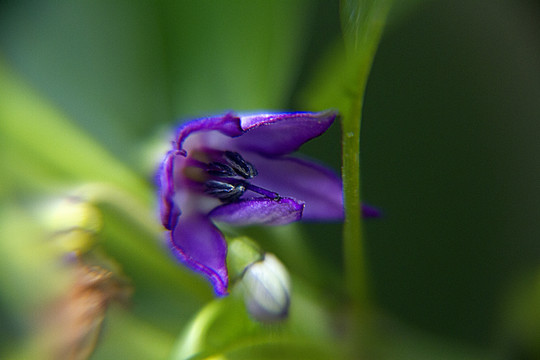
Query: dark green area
point(451, 153)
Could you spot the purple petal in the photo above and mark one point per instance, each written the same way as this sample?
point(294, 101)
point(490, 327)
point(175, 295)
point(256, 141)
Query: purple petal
point(227, 124)
point(166, 188)
point(369, 211)
point(282, 133)
point(317, 186)
point(197, 243)
point(259, 210)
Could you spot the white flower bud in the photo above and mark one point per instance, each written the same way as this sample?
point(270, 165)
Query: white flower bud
point(267, 288)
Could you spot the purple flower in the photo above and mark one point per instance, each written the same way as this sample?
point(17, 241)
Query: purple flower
point(236, 169)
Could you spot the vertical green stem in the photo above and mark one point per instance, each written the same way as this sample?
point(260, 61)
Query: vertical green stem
point(353, 248)
point(363, 22)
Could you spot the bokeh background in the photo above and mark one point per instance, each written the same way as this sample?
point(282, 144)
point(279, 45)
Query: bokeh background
point(450, 140)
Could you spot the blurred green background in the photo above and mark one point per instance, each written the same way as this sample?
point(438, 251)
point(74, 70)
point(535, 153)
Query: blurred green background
point(450, 141)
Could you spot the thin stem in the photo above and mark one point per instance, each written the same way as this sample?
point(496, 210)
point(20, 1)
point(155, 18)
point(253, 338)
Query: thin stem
point(353, 249)
point(363, 22)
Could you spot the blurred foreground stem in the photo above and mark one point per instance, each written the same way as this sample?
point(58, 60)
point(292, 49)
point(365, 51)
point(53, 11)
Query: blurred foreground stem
point(363, 22)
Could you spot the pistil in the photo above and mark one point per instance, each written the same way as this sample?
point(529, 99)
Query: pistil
point(259, 190)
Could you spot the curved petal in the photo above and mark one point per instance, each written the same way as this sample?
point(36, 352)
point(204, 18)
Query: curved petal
point(259, 210)
point(317, 186)
point(228, 124)
point(369, 211)
point(198, 244)
point(166, 190)
point(283, 133)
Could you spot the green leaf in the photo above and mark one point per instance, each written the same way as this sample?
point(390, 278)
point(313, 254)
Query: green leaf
point(36, 131)
point(100, 62)
point(126, 336)
point(362, 22)
point(118, 68)
point(30, 275)
point(250, 65)
point(224, 329)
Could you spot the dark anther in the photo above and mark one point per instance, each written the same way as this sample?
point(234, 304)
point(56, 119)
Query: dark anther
point(224, 191)
point(240, 166)
point(221, 170)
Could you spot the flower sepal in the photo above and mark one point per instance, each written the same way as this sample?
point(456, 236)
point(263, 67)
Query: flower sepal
point(242, 253)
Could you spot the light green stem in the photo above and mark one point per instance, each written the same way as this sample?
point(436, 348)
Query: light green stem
point(353, 249)
point(363, 22)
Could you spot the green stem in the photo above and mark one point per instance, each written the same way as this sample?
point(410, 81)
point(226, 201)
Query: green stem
point(353, 249)
point(363, 22)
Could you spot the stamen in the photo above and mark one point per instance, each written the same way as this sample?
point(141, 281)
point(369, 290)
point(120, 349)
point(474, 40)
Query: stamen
point(232, 187)
point(224, 191)
point(221, 170)
point(240, 166)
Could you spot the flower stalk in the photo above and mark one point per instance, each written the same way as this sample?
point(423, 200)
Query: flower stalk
point(363, 22)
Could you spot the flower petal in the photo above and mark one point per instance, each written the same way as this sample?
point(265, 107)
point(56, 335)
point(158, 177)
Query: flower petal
point(228, 124)
point(166, 189)
point(282, 133)
point(260, 210)
point(317, 186)
point(197, 243)
point(369, 211)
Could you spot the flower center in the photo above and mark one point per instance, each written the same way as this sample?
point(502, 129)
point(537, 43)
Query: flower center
point(230, 178)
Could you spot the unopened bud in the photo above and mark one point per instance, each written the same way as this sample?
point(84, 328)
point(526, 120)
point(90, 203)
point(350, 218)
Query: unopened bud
point(267, 289)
